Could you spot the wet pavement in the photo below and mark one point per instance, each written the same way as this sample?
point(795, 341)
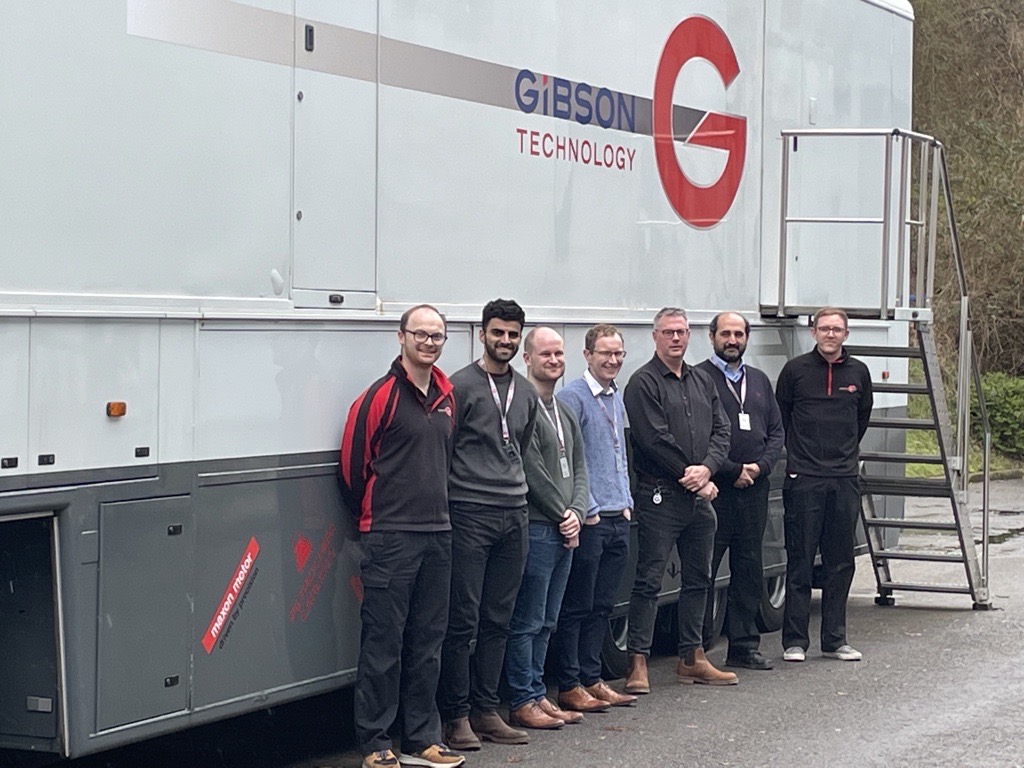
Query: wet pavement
point(940, 684)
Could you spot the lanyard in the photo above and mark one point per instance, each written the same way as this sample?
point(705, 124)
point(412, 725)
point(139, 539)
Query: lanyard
point(613, 421)
point(508, 403)
point(741, 397)
point(557, 424)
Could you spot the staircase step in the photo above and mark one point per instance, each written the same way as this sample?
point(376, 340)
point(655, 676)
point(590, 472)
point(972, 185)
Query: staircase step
point(905, 486)
point(945, 588)
point(901, 458)
point(909, 525)
point(926, 557)
point(885, 423)
point(899, 389)
point(870, 350)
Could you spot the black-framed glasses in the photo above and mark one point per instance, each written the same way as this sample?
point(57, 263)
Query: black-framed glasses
point(422, 337)
point(671, 333)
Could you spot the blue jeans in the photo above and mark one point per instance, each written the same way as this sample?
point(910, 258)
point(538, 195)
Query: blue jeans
point(536, 613)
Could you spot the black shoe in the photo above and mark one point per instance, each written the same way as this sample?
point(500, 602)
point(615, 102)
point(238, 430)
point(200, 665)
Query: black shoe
point(752, 660)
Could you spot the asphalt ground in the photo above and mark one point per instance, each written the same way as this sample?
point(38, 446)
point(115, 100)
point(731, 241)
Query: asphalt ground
point(940, 684)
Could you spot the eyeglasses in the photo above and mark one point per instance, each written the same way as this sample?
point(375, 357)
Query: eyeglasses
point(671, 333)
point(422, 337)
point(830, 330)
point(617, 355)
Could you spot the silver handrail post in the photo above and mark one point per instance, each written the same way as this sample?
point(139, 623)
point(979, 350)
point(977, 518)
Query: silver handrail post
point(783, 226)
point(903, 230)
point(886, 212)
point(922, 232)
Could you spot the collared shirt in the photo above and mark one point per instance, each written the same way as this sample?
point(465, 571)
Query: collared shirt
point(595, 386)
point(732, 374)
point(675, 421)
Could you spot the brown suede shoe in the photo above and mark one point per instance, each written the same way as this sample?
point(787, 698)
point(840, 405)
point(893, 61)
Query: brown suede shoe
point(530, 715)
point(549, 708)
point(636, 677)
point(695, 668)
point(490, 727)
point(601, 690)
point(578, 700)
point(459, 735)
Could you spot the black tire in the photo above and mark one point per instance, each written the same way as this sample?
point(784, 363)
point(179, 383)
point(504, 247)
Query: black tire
point(614, 657)
point(721, 598)
point(773, 603)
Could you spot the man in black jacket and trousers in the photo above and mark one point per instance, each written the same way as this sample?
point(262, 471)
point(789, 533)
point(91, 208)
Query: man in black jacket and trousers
point(742, 503)
point(825, 398)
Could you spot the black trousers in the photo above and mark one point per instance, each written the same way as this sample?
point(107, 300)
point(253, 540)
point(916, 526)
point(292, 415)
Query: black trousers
point(742, 515)
point(686, 522)
point(821, 513)
point(489, 547)
point(404, 616)
point(597, 567)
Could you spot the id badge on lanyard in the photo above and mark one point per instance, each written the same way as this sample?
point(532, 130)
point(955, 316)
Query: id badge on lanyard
point(506, 436)
point(556, 422)
point(741, 398)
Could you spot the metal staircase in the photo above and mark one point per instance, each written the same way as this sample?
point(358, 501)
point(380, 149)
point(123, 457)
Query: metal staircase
point(915, 167)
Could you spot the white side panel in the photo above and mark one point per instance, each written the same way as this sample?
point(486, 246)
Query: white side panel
point(469, 209)
point(335, 150)
point(824, 74)
point(266, 391)
point(177, 390)
point(142, 167)
point(14, 346)
point(77, 367)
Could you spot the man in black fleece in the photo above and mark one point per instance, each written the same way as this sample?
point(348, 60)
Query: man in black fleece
point(825, 398)
point(496, 409)
point(742, 503)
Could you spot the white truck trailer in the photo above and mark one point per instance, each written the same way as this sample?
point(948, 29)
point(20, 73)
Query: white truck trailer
point(212, 213)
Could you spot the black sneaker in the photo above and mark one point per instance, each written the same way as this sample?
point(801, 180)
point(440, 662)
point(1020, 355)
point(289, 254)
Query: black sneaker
point(752, 660)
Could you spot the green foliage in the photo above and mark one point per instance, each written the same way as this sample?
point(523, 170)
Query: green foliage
point(1004, 400)
point(969, 93)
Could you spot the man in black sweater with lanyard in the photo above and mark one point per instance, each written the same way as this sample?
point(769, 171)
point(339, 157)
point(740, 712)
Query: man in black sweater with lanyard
point(496, 410)
point(825, 397)
point(742, 479)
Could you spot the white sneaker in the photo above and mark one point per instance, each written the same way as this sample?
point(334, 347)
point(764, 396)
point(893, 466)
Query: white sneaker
point(843, 653)
point(796, 653)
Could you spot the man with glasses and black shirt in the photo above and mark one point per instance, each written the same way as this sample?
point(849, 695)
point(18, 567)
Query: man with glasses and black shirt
point(680, 436)
point(496, 410)
point(600, 559)
point(825, 397)
point(394, 469)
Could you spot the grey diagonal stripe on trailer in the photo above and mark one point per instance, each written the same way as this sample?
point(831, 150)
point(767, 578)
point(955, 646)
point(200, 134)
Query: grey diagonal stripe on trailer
point(236, 29)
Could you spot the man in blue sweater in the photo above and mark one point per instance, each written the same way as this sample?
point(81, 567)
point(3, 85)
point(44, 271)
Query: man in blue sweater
point(598, 563)
point(742, 479)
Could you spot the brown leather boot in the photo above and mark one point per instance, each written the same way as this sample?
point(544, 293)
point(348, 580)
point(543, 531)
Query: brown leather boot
point(601, 690)
point(549, 708)
point(578, 700)
point(636, 677)
point(695, 668)
point(458, 735)
point(490, 727)
point(530, 715)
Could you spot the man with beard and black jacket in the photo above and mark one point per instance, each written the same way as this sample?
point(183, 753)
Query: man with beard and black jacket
point(742, 479)
point(825, 398)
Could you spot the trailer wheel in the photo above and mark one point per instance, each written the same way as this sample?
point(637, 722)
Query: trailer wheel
point(614, 657)
point(773, 603)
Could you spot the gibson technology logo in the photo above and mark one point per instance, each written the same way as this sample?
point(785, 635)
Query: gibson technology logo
point(694, 38)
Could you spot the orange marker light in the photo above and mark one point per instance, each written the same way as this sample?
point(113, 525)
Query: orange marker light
point(116, 409)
